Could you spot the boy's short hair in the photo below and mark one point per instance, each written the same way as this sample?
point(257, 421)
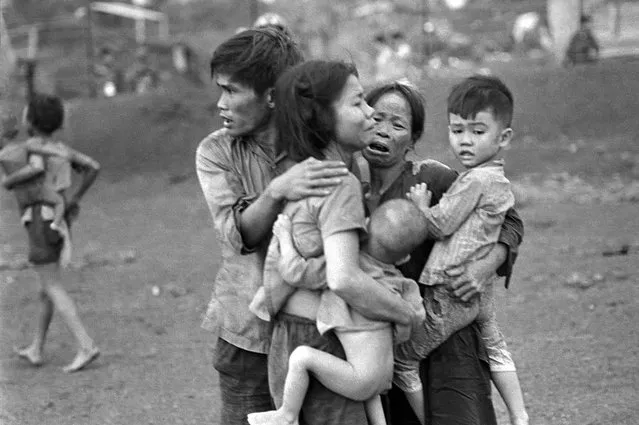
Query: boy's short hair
point(256, 57)
point(45, 113)
point(398, 225)
point(479, 93)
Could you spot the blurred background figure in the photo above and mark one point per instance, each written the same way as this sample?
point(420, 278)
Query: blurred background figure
point(531, 33)
point(583, 47)
point(393, 56)
point(141, 77)
point(272, 20)
point(108, 74)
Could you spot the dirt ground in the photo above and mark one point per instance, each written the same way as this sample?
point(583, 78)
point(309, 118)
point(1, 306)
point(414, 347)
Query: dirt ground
point(569, 317)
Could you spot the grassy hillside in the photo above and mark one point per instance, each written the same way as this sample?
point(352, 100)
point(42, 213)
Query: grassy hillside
point(581, 121)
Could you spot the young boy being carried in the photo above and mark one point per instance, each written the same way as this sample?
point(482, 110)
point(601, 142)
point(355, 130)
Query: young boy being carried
point(395, 229)
point(24, 169)
point(466, 223)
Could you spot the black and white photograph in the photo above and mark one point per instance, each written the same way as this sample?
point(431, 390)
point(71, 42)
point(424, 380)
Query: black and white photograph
point(318, 212)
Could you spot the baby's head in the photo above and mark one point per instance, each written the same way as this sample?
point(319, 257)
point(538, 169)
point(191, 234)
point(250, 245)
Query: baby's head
point(395, 229)
point(8, 125)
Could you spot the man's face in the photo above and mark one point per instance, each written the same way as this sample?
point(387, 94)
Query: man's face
point(392, 137)
point(478, 139)
point(242, 110)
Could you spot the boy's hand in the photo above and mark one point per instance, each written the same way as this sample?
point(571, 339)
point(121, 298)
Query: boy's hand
point(282, 227)
point(310, 177)
point(420, 195)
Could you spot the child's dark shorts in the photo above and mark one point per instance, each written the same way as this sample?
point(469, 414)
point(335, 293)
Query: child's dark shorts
point(45, 244)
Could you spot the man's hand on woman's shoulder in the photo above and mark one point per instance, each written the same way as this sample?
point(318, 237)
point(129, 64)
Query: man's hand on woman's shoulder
point(310, 177)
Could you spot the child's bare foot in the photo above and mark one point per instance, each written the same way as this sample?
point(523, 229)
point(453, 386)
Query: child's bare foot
point(82, 359)
point(271, 417)
point(519, 420)
point(29, 354)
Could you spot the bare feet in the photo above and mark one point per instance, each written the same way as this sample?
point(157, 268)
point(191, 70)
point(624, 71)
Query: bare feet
point(272, 417)
point(82, 359)
point(29, 354)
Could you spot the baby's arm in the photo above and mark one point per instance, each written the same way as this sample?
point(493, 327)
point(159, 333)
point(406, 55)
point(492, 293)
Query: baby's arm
point(34, 168)
point(296, 270)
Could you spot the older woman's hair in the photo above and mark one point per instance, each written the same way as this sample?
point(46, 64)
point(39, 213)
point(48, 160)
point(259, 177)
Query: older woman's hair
point(413, 97)
point(304, 115)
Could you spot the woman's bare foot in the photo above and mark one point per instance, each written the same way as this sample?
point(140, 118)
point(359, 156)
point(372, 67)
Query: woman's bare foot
point(82, 359)
point(271, 417)
point(29, 354)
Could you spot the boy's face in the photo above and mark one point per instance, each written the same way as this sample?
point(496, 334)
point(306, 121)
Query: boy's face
point(477, 139)
point(243, 112)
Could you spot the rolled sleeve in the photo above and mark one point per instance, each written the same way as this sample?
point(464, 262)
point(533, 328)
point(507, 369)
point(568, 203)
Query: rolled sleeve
point(511, 236)
point(223, 192)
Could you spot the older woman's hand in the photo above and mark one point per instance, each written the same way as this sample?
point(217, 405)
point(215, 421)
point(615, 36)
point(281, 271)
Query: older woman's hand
point(472, 278)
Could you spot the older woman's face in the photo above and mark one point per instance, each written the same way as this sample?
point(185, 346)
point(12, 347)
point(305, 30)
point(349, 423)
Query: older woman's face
point(392, 136)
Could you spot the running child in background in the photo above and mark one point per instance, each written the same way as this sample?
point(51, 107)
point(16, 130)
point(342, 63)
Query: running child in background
point(24, 170)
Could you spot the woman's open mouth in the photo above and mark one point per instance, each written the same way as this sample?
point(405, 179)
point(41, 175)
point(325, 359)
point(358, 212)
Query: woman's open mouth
point(378, 147)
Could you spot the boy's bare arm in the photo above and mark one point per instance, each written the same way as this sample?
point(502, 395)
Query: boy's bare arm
point(89, 170)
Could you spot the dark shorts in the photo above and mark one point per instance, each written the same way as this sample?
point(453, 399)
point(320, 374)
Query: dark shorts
point(321, 406)
point(45, 244)
point(243, 381)
point(457, 386)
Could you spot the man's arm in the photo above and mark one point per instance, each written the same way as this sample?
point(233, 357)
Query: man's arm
point(310, 177)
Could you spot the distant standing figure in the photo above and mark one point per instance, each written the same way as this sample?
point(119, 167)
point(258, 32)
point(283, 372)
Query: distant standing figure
point(43, 116)
point(583, 47)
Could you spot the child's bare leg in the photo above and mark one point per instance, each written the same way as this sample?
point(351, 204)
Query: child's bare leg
point(366, 372)
point(416, 401)
point(507, 383)
point(50, 279)
point(503, 371)
point(56, 200)
point(33, 352)
point(375, 411)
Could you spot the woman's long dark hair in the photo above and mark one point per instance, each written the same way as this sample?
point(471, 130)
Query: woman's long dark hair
point(303, 114)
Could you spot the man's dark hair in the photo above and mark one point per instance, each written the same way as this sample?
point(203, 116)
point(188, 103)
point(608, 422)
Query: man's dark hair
point(412, 96)
point(479, 93)
point(305, 118)
point(45, 113)
point(256, 57)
